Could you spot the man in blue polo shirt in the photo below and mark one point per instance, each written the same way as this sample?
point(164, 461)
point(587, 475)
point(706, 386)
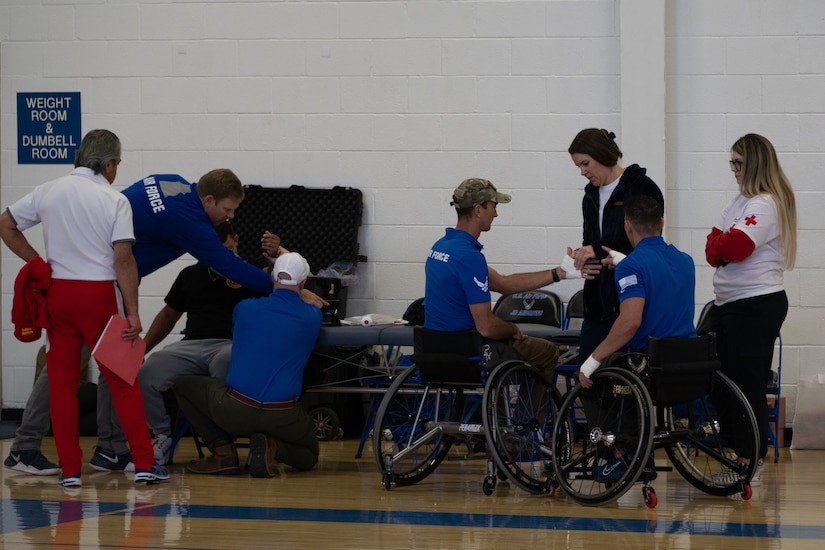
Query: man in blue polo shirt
point(656, 298)
point(656, 285)
point(272, 340)
point(459, 281)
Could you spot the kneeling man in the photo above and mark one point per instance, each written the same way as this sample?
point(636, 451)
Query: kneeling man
point(272, 340)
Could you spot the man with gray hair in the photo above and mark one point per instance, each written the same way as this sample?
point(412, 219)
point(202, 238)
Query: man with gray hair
point(171, 217)
point(88, 235)
point(272, 340)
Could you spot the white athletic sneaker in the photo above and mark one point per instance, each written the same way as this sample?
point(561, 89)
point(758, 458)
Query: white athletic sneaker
point(727, 477)
point(756, 480)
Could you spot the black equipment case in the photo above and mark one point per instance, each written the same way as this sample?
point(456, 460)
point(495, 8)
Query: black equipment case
point(321, 224)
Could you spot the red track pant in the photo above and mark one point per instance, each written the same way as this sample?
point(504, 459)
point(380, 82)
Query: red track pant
point(79, 311)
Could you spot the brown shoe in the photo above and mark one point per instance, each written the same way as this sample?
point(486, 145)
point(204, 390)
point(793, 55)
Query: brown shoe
point(262, 452)
point(222, 461)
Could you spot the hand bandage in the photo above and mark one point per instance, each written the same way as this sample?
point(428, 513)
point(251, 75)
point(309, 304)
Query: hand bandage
point(590, 366)
point(569, 269)
point(617, 256)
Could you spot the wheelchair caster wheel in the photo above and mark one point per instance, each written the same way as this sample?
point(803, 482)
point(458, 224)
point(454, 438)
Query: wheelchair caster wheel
point(489, 485)
point(747, 491)
point(651, 500)
point(550, 489)
point(387, 480)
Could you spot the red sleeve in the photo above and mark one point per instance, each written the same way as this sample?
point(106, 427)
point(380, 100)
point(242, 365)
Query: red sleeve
point(730, 246)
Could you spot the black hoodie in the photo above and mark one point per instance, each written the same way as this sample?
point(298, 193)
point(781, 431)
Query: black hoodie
point(601, 298)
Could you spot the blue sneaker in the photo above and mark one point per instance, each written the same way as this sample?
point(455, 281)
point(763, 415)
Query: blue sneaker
point(70, 481)
point(610, 472)
point(158, 473)
point(112, 463)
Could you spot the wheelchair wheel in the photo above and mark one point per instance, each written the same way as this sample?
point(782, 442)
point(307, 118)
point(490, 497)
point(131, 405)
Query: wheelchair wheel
point(326, 423)
point(703, 455)
point(520, 405)
point(406, 449)
point(596, 461)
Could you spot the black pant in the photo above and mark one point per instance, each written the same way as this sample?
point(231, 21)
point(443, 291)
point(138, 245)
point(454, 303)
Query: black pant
point(593, 331)
point(746, 332)
point(218, 418)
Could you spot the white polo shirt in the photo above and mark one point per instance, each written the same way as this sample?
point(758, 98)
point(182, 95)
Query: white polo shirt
point(82, 218)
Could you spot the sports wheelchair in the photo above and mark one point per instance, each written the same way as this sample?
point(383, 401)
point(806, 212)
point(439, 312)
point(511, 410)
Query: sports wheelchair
point(449, 396)
point(674, 398)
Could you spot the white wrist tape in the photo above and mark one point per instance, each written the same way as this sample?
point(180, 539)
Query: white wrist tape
point(589, 366)
point(617, 256)
point(569, 269)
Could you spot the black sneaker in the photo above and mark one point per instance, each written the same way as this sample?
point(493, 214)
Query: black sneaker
point(31, 462)
point(105, 462)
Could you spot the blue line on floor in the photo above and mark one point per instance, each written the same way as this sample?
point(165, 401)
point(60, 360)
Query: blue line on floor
point(16, 515)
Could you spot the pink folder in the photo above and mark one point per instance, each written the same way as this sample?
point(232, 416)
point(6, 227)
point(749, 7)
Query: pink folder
point(121, 356)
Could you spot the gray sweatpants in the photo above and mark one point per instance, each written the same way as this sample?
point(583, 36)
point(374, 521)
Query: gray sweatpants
point(159, 372)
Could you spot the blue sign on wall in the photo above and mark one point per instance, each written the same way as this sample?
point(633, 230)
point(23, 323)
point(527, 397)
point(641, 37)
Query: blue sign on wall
point(48, 127)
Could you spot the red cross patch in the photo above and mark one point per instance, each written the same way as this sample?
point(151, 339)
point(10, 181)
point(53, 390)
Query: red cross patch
point(750, 220)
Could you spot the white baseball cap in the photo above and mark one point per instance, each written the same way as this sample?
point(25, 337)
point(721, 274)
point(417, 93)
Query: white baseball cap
point(292, 264)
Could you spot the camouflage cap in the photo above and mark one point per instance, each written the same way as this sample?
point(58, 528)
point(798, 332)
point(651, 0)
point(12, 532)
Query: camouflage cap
point(475, 191)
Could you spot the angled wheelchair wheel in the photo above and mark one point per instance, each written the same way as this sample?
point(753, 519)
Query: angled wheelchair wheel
point(520, 405)
point(704, 431)
point(598, 459)
point(326, 424)
point(406, 443)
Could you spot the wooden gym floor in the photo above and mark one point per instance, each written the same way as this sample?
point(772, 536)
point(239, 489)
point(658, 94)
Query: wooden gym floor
point(341, 504)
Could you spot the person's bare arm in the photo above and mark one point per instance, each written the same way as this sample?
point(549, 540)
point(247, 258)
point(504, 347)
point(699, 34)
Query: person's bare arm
point(161, 326)
point(313, 299)
point(623, 329)
point(127, 280)
point(15, 239)
point(490, 326)
point(520, 282)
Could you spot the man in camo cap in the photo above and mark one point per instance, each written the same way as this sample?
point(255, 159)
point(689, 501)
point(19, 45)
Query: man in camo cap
point(459, 281)
point(477, 191)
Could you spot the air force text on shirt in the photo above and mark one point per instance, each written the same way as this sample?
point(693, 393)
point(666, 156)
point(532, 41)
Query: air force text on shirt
point(153, 194)
point(440, 256)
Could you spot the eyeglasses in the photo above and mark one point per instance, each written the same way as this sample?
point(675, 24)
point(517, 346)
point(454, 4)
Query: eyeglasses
point(736, 164)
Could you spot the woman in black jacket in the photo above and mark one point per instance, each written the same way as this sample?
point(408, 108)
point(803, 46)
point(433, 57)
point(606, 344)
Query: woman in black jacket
point(595, 152)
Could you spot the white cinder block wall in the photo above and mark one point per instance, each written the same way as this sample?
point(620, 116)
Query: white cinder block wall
point(404, 99)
